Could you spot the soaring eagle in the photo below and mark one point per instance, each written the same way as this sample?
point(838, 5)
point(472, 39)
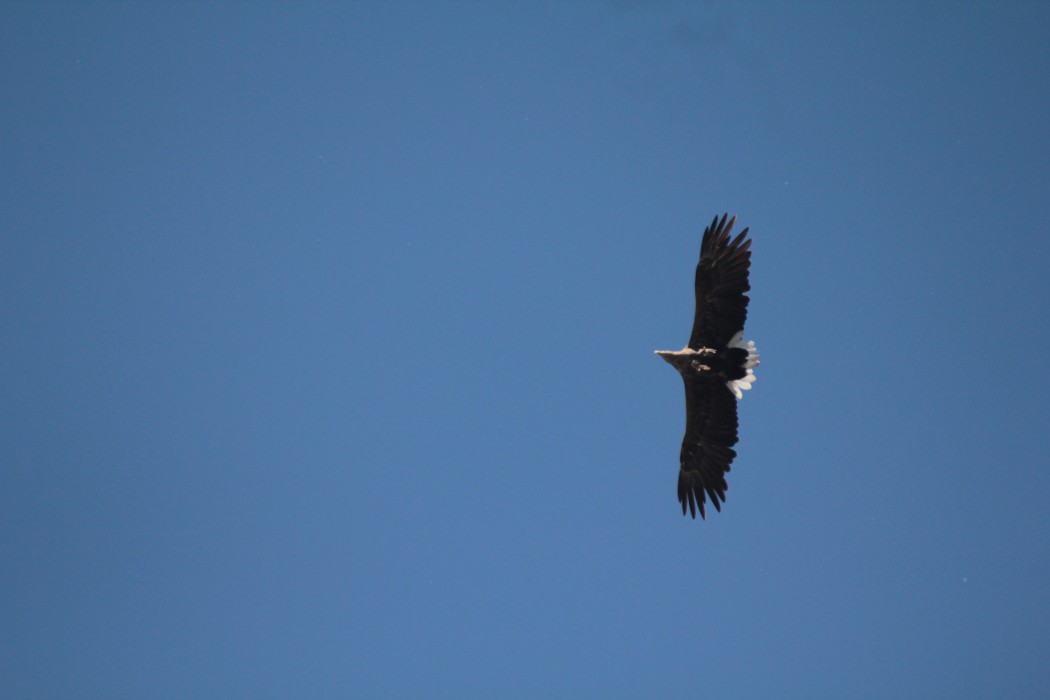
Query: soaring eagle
point(717, 366)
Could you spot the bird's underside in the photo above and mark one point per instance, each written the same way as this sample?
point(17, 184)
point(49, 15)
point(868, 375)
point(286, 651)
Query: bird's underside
point(716, 366)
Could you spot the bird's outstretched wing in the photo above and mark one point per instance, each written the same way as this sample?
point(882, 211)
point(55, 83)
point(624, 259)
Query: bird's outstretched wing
point(707, 448)
point(721, 286)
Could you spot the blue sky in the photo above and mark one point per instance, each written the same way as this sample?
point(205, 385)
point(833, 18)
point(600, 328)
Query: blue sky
point(327, 349)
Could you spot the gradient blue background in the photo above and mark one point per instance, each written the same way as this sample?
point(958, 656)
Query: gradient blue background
point(327, 345)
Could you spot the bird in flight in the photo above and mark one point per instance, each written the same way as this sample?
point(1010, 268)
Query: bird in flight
point(717, 366)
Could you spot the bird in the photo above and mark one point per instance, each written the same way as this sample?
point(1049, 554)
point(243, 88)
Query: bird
point(717, 366)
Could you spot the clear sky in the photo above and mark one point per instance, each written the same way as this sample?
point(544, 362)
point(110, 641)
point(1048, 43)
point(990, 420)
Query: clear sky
point(327, 345)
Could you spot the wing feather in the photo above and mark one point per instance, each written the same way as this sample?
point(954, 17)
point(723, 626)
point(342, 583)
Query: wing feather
point(707, 448)
point(721, 285)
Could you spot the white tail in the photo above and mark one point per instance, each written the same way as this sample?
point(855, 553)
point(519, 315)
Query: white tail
point(739, 386)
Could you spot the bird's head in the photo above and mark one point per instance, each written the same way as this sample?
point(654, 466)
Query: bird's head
point(665, 354)
point(682, 360)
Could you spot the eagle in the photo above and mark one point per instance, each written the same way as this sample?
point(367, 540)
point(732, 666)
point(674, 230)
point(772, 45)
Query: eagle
point(717, 366)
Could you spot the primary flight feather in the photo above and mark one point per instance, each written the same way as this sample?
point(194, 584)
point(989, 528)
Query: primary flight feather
point(717, 365)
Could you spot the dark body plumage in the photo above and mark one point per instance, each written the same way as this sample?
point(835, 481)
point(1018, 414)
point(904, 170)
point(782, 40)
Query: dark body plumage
point(716, 365)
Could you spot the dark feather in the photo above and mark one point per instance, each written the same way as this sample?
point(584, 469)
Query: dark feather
point(721, 285)
point(707, 448)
